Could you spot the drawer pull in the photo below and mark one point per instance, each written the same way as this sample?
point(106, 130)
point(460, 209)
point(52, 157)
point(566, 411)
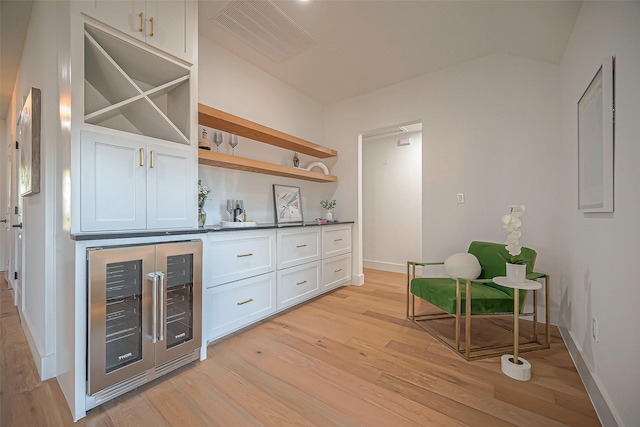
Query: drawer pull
point(301, 283)
point(244, 255)
point(336, 240)
point(301, 246)
point(337, 271)
point(245, 302)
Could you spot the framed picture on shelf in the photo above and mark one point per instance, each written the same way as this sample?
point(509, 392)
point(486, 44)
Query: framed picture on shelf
point(595, 141)
point(287, 204)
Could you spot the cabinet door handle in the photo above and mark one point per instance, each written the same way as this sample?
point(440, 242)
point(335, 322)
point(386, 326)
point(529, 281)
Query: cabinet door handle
point(154, 326)
point(151, 161)
point(337, 271)
point(141, 156)
point(152, 27)
point(244, 255)
point(301, 246)
point(161, 306)
point(141, 15)
point(337, 240)
point(245, 302)
point(301, 283)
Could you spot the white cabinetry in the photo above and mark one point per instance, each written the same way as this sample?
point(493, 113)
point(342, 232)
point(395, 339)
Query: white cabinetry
point(130, 89)
point(244, 283)
point(233, 305)
point(298, 245)
point(240, 280)
point(165, 24)
point(129, 184)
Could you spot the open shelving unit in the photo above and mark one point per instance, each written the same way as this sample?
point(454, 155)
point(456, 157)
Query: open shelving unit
point(211, 117)
point(129, 89)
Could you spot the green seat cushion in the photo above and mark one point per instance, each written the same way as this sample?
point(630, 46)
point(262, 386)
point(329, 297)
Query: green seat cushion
point(485, 299)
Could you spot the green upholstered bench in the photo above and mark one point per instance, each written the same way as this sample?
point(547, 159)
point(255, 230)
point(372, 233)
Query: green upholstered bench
point(487, 299)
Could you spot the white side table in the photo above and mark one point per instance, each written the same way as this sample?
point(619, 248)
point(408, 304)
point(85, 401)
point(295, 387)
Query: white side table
point(512, 365)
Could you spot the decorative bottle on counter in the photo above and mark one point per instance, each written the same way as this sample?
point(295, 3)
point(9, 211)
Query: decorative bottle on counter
point(237, 213)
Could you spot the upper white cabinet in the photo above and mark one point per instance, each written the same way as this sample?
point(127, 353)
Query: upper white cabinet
point(164, 24)
point(129, 184)
point(130, 89)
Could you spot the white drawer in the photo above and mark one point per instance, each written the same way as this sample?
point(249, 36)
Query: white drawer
point(297, 284)
point(336, 271)
point(234, 305)
point(238, 255)
point(336, 240)
point(298, 246)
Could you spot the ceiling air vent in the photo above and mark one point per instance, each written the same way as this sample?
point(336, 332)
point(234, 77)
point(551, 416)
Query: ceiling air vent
point(265, 28)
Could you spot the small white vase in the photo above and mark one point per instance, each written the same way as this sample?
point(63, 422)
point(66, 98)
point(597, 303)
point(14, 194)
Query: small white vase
point(516, 273)
point(328, 215)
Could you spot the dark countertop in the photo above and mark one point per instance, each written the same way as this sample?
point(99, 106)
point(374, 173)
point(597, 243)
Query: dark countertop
point(207, 229)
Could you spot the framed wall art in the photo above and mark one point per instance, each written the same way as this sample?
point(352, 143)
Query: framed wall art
point(596, 141)
point(287, 204)
point(28, 136)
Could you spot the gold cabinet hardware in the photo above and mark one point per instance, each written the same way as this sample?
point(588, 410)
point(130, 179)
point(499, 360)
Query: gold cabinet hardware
point(141, 156)
point(141, 15)
point(301, 283)
point(337, 271)
point(151, 161)
point(245, 302)
point(152, 26)
point(301, 246)
point(244, 255)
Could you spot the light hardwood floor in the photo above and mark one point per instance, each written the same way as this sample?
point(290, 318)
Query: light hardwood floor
point(348, 358)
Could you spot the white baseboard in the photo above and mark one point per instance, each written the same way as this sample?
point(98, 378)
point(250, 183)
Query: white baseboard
point(605, 414)
point(46, 365)
point(388, 266)
point(357, 280)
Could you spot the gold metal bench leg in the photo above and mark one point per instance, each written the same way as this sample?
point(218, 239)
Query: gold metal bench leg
point(467, 318)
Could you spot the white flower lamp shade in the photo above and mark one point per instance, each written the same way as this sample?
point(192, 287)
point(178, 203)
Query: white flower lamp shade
point(464, 265)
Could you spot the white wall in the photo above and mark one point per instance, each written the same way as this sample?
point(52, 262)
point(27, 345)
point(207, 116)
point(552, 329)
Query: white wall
point(38, 59)
point(391, 195)
point(5, 206)
point(491, 131)
point(599, 276)
point(232, 85)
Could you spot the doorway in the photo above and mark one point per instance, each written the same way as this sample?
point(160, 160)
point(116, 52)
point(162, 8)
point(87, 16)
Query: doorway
point(392, 197)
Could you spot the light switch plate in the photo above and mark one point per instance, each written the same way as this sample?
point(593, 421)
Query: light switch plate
point(460, 197)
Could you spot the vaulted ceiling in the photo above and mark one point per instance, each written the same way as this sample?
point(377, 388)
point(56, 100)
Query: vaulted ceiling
point(359, 46)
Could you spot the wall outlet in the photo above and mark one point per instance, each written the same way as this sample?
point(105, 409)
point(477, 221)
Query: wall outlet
point(460, 198)
point(594, 329)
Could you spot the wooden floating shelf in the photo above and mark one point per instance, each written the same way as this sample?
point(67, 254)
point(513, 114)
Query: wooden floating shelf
point(211, 117)
point(212, 158)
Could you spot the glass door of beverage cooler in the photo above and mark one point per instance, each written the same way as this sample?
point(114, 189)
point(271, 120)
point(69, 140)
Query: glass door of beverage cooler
point(179, 267)
point(121, 283)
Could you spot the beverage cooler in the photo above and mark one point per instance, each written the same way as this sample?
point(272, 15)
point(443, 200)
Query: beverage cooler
point(144, 315)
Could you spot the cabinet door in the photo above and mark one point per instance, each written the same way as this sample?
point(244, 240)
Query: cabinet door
point(173, 27)
point(112, 183)
point(237, 255)
point(297, 284)
point(234, 305)
point(171, 186)
point(123, 15)
point(298, 246)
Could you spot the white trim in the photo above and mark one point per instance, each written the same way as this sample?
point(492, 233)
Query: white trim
point(390, 266)
point(601, 403)
point(46, 365)
point(357, 279)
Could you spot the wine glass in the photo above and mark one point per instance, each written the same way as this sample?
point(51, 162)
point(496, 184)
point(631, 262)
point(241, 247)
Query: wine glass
point(233, 141)
point(230, 207)
point(217, 139)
